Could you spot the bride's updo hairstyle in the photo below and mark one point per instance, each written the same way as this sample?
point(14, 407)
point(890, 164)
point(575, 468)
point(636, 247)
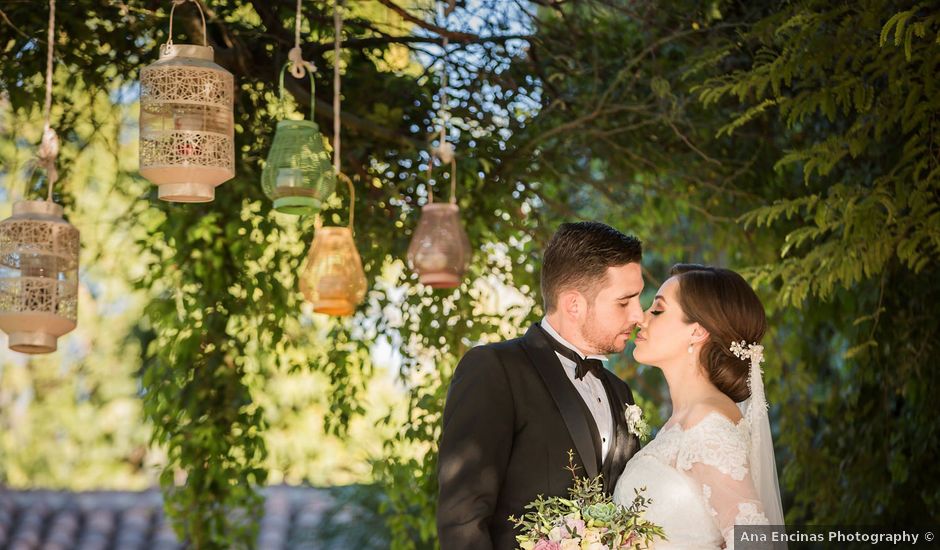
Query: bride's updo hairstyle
point(726, 306)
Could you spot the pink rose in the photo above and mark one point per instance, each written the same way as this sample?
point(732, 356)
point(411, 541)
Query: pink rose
point(545, 544)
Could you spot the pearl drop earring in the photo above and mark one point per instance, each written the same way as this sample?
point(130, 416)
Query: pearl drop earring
point(691, 349)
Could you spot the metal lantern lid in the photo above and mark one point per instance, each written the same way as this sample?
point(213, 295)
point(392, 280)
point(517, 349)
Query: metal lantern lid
point(38, 276)
point(187, 126)
point(440, 249)
point(298, 175)
point(333, 279)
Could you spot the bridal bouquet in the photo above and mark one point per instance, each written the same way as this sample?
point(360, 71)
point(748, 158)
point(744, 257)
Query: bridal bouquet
point(586, 520)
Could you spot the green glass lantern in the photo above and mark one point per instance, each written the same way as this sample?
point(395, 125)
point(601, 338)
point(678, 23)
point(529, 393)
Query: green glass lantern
point(298, 175)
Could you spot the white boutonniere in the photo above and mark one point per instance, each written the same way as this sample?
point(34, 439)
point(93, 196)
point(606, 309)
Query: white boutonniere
point(635, 422)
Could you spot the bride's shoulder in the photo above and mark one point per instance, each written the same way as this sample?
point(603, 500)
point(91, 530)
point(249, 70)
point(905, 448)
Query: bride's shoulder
point(713, 409)
point(717, 437)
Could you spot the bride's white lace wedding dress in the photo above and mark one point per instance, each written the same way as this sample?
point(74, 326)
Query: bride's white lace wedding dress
point(699, 481)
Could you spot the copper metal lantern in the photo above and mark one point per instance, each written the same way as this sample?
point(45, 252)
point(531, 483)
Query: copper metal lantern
point(187, 136)
point(38, 276)
point(298, 175)
point(440, 249)
point(333, 279)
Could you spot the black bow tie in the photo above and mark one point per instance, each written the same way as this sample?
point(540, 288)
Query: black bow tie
point(583, 365)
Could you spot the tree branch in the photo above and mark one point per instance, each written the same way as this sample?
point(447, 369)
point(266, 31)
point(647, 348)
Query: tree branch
point(17, 29)
point(373, 41)
point(452, 35)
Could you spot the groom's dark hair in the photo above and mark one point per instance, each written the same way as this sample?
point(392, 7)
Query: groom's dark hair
point(578, 255)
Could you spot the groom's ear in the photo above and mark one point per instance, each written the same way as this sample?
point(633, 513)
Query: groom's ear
point(699, 334)
point(572, 303)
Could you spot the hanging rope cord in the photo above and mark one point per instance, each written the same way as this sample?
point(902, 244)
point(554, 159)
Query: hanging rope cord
point(49, 147)
point(444, 150)
point(337, 44)
point(297, 26)
point(298, 66)
point(442, 112)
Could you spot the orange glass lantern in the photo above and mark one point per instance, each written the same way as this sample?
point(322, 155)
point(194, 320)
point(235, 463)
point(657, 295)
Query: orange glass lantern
point(440, 249)
point(333, 279)
point(187, 126)
point(38, 276)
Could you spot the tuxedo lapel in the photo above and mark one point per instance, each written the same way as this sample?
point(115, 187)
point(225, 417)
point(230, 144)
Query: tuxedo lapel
point(595, 432)
point(614, 401)
point(564, 394)
point(624, 444)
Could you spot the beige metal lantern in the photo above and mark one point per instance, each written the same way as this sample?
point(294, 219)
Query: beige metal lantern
point(38, 276)
point(187, 137)
point(440, 249)
point(333, 279)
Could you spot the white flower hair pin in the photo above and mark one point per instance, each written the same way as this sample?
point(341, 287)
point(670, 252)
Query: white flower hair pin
point(750, 352)
point(635, 422)
point(755, 382)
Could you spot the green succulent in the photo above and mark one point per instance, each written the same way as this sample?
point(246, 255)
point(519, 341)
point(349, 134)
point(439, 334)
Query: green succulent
point(600, 514)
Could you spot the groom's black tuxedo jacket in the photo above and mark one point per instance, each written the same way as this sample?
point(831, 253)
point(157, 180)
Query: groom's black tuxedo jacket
point(510, 418)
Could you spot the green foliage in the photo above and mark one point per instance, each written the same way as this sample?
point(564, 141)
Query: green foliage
point(860, 241)
point(874, 174)
point(72, 420)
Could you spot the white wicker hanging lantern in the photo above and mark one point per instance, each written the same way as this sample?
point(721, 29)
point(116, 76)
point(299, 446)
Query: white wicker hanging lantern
point(187, 136)
point(38, 276)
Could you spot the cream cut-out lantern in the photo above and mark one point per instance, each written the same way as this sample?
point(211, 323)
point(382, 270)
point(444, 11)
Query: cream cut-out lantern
point(333, 279)
point(187, 144)
point(440, 249)
point(38, 276)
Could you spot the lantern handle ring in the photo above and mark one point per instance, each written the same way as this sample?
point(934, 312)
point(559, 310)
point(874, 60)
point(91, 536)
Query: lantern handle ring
point(205, 40)
point(352, 197)
point(313, 99)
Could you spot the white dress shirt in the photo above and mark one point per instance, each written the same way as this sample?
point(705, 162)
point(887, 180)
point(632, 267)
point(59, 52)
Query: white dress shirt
point(589, 387)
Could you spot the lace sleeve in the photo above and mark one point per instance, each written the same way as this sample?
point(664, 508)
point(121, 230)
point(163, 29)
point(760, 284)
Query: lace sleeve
point(715, 456)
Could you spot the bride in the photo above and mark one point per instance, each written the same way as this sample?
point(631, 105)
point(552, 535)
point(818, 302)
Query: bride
point(711, 466)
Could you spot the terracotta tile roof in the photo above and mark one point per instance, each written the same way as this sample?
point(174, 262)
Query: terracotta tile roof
point(119, 520)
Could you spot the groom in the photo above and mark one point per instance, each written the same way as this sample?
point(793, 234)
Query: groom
point(515, 408)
